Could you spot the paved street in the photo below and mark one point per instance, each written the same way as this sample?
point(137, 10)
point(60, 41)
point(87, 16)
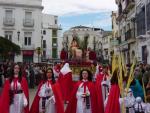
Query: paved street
point(32, 93)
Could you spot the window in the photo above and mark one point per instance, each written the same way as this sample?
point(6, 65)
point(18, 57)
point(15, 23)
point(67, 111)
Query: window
point(27, 41)
point(28, 15)
point(44, 43)
point(44, 54)
point(27, 38)
point(124, 29)
point(55, 21)
point(141, 22)
point(148, 16)
point(54, 33)
point(8, 35)
point(128, 26)
point(8, 14)
point(112, 25)
point(120, 31)
point(44, 32)
point(54, 41)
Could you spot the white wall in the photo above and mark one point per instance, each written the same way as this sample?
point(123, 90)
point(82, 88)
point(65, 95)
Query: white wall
point(19, 7)
point(48, 24)
point(23, 2)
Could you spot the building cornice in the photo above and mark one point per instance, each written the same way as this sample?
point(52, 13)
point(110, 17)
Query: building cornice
point(8, 28)
point(28, 29)
point(21, 5)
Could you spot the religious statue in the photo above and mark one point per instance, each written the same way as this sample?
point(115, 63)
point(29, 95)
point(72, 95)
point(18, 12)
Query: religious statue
point(74, 46)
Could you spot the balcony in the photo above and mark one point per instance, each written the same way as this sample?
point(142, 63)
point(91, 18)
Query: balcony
point(28, 22)
point(9, 21)
point(119, 40)
point(130, 4)
point(130, 34)
point(57, 27)
point(28, 47)
point(120, 13)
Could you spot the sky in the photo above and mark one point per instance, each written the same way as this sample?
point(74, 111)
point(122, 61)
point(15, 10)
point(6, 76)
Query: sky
point(91, 13)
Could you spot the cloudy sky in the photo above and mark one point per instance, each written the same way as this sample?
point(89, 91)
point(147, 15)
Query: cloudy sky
point(81, 12)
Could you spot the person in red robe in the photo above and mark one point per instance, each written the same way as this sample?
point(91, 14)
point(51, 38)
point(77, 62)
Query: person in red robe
point(99, 79)
point(48, 98)
point(65, 80)
point(56, 70)
point(84, 97)
point(92, 55)
point(102, 86)
point(113, 105)
point(15, 95)
point(63, 54)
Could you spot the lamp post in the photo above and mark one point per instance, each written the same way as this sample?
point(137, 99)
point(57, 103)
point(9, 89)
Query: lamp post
point(18, 33)
point(42, 48)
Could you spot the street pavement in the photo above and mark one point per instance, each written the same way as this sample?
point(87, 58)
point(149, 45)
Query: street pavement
point(32, 93)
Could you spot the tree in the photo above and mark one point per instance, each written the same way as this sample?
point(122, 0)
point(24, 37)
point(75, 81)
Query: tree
point(7, 47)
point(38, 51)
point(84, 44)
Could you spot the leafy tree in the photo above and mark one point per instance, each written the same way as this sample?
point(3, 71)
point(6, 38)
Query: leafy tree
point(6, 47)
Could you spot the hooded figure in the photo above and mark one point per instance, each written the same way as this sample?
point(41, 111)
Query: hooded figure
point(113, 105)
point(128, 101)
point(140, 106)
point(102, 85)
point(65, 81)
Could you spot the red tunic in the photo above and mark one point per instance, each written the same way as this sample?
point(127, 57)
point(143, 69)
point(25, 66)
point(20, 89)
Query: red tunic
point(58, 97)
point(66, 85)
point(5, 98)
point(113, 105)
point(99, 80)
point(71, 108)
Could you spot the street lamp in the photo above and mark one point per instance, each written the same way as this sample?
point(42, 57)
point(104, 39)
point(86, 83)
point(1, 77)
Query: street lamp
point(41, 47)
point(18, 34)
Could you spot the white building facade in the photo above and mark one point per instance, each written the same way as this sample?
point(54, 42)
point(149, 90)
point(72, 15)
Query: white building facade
point(20, 22)
point(106, 45)
point(134, 29)
point(116, 40)
point(143, 30)
point(127, 29)
point(51, 37)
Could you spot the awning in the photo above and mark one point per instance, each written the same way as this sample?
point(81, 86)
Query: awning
point(28, 52)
